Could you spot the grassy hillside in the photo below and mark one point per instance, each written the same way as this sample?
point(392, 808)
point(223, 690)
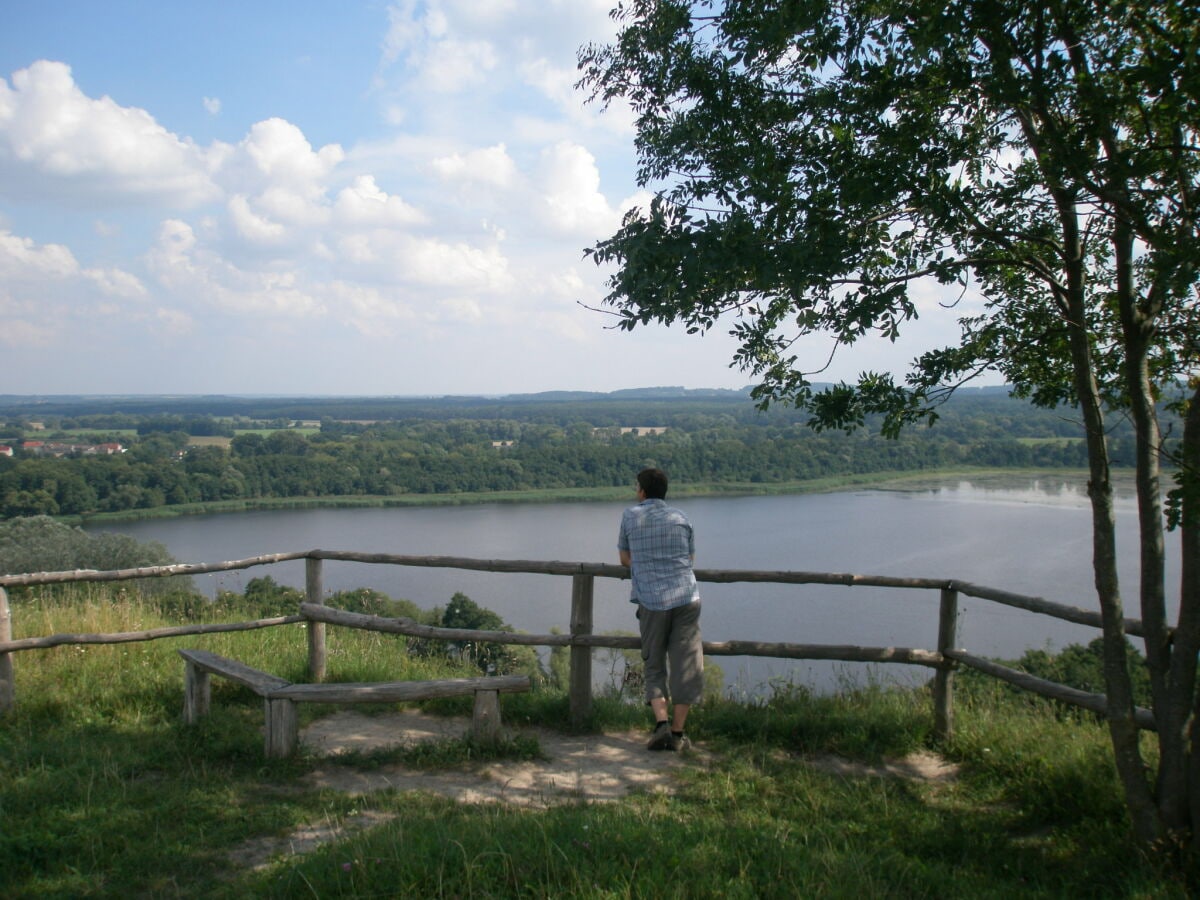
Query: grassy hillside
point(104, 792)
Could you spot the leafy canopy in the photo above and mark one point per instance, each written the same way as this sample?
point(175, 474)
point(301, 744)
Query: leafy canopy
point(835, 167)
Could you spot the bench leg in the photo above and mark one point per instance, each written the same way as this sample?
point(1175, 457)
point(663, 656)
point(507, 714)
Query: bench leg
point(281, 728)
point(485, 723)
point(197, 692)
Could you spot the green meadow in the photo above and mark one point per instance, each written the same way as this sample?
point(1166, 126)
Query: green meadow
point(105, 792)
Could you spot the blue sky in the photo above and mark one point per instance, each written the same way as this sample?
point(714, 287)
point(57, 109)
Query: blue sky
point(308, 197)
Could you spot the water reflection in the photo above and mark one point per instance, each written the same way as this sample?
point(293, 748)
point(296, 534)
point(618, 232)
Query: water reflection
point(1054, 490)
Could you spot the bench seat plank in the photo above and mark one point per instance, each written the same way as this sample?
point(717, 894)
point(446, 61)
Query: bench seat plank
point(260, 682)
point(281, 696)
point(398, 691)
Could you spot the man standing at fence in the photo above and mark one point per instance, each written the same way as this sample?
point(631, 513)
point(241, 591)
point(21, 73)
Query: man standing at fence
point(657, 544)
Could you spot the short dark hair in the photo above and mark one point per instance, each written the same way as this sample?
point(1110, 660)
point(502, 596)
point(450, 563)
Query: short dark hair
point(653, 483)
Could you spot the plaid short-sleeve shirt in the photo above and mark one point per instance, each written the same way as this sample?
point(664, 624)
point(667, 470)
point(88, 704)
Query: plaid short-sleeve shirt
point(660, 542)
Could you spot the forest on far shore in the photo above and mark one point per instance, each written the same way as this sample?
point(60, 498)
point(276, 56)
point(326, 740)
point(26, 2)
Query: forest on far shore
point(198, 450)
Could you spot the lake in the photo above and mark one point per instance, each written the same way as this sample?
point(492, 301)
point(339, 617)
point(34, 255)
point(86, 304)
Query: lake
point(1026, 535)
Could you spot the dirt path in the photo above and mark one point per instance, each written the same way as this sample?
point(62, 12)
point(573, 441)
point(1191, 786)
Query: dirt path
point(577, 768)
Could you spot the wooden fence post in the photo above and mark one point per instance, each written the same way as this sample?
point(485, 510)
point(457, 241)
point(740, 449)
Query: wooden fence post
point(582, 591)
point(943, 680)
point(315, 593)
point(8, 697)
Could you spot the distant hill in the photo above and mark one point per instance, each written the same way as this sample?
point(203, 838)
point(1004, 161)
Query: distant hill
point(643, 404)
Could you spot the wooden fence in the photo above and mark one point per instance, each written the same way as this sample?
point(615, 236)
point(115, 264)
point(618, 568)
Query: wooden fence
point(581, 640)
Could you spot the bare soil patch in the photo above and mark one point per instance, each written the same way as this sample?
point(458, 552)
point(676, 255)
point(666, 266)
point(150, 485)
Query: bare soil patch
point(577, 769)
point(590, 767)
point(921, 766)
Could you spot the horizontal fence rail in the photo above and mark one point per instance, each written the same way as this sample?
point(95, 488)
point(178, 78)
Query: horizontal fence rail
point(152, 634)
point(320, 613)
point(604, 570)
point(581, 641)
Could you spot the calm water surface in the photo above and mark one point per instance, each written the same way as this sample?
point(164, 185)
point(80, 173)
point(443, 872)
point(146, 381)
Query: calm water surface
point(1027, 536)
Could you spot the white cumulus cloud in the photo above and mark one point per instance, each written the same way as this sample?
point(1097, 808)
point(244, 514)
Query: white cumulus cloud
point(363, 204)
point(198, 279)
point(57, 140)
point(283, 154)
point(45, 293)
point(408, 260)
point(22, 257)
point(488, 165)
point(420, 40)
point(250, 224)
point(116, 283)
point(443, 205)
point(571, 184)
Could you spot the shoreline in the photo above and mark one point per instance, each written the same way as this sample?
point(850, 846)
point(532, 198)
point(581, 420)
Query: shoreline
point(901, 481)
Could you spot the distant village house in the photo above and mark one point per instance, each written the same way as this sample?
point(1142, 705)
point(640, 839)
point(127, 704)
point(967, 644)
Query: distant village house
point(56, 448)
point(636, 430)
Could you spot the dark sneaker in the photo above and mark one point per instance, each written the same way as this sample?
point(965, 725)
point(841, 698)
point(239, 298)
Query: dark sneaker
point(661, 739)
point(680, 742)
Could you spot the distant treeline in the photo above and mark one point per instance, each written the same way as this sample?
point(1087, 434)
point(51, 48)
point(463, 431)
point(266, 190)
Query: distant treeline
point(515, 444)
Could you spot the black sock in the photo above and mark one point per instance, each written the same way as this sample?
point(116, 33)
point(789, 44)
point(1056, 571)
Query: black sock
point(660, 722)
point(676, 733)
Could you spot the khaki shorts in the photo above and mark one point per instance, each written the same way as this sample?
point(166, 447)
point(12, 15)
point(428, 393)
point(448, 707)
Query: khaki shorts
point(671, 638)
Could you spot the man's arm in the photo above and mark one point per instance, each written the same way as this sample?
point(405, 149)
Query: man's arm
point(626, 558)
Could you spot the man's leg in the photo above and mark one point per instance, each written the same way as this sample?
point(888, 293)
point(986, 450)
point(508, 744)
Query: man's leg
point(678, 715)
point(658, 706)
point(654, 631)
point(686, 654)
point(654, 628)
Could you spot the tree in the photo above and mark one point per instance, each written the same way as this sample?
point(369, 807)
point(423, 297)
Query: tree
point(40, 544)
point(269, 598)
point(463, 612)
point(286, 442)
point(818, 164)
point(494, 659)
point(250, 444)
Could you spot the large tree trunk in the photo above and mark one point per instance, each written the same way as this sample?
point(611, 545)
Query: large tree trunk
point(1122, 729)
point(1123, 732)
point(1072, 296)
point(1137, 335)
point(1171, 690)
point(1187, 632)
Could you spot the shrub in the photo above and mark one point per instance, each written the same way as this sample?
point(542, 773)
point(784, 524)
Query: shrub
point(40, 544)
point(1076, 666)
point(494, 659)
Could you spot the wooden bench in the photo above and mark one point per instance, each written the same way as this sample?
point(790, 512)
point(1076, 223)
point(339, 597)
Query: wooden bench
point(280, 696)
